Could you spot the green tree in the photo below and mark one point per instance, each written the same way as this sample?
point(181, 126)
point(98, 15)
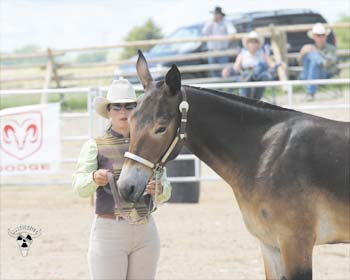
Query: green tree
point(92, 57)
point(27, 49)
point(147, 31)
point(343, 34)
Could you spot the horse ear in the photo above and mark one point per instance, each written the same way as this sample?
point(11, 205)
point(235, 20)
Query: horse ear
point(173, 79)
point(143, 71)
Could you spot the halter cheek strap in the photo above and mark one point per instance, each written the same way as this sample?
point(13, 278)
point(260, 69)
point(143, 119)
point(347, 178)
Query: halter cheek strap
point(181, 134)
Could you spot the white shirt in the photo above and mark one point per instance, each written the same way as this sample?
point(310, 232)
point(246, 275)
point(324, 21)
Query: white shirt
point(249, 60)
point(214, 28)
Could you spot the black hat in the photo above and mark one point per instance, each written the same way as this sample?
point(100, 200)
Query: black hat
point(218, 10)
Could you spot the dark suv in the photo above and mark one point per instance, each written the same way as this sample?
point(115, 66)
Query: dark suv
point(244, 22)
point(295, 40)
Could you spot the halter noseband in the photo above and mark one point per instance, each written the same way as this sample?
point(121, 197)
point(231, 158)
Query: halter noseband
point(181, 134)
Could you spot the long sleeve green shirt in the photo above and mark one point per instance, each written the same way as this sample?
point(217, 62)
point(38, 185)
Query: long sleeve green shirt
point(83, 183)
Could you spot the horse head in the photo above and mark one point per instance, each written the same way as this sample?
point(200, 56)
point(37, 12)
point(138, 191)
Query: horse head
point(153, 126)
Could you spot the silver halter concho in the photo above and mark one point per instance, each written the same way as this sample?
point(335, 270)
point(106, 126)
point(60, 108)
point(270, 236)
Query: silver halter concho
point(158, 167)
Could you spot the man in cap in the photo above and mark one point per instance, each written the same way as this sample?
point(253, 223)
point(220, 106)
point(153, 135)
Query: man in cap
point(218, 26)
point(319, 60)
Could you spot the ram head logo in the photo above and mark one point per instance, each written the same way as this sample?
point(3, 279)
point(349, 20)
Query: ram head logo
point(21, 138)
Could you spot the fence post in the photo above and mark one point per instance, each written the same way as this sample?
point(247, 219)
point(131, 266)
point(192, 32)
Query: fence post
point(277, 53)
point(51, 71)
point(91, 94)
point(282, 43)
point(101, 123)
point(290, 95)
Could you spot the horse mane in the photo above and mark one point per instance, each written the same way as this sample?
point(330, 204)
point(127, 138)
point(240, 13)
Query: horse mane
point(247, 101)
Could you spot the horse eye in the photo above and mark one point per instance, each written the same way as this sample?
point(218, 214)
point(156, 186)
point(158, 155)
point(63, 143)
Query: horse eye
point(161, 129)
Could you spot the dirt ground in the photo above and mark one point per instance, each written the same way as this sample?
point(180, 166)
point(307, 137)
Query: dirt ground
point(207, 240)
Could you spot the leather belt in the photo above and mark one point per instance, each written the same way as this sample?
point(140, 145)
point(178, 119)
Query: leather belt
point(110, 216)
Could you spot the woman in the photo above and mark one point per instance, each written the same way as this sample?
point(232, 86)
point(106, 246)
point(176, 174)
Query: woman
point(253, 63)
point(120, 247)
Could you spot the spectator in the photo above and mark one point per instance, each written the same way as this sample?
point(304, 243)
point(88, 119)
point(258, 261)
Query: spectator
point(319, 60)
point(253, 64)
point(218, 27)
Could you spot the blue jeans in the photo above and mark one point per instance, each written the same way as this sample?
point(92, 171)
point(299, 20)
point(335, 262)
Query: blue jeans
point(259, 73)
point(214, 60)
point(313, 70)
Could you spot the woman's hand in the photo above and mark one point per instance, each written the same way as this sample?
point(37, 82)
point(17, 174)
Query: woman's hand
point(151, 188)
point(225, 72)
point(100, 177)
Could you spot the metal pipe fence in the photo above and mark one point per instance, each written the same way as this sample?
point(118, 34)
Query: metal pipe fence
point(197, 177)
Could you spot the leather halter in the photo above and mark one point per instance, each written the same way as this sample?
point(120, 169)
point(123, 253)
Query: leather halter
point(181, 134)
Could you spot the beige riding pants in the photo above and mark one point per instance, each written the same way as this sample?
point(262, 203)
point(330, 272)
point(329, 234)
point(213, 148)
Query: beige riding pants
point(119, 250)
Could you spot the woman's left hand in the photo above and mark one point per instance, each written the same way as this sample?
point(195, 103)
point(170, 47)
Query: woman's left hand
point(151, 188)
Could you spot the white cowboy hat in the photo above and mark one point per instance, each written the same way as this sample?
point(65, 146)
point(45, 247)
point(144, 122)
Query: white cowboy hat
point(252, 35)
point(121, 91)
point(318, 29)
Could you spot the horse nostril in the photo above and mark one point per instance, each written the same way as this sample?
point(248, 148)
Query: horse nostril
point(127, 192)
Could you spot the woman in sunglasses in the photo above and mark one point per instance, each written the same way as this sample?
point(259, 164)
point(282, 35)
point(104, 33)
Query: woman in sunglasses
point(122, 245)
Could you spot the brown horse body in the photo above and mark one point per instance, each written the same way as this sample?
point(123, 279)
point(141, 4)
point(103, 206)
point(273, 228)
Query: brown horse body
point(289, 171)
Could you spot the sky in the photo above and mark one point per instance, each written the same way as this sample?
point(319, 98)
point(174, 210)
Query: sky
point(80, 23)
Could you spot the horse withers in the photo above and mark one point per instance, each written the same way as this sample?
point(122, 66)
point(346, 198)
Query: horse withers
point(289, 170)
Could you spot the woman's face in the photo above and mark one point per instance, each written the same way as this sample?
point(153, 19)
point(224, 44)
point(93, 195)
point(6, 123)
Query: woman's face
point(253, 45)
point(119, 113)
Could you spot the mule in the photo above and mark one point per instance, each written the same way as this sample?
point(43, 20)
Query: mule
point(289, 170)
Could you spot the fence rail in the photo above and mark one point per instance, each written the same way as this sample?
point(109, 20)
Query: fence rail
point(265, 31)
point(53, 74)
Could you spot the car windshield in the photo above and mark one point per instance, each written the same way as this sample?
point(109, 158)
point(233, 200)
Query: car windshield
point(182, 33)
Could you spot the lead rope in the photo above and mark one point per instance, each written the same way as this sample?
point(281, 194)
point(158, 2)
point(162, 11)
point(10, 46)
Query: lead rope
point(117, 199)
point(158, 176)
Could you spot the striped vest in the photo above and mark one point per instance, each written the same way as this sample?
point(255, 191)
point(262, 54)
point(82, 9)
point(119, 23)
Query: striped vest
point(111, 148)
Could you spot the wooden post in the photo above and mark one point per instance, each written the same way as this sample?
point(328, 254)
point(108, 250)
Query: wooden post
point(48, 77)
point(277, 53)
point(51, 72)
point(283, 46)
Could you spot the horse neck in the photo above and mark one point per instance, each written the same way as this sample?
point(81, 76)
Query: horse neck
point(227, 133)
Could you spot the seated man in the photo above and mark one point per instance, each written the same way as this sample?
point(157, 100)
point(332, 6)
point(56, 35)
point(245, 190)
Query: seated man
point(319, 60)
point(254, 64)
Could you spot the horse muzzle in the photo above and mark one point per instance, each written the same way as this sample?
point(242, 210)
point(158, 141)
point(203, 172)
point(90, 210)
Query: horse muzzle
point(132, 183)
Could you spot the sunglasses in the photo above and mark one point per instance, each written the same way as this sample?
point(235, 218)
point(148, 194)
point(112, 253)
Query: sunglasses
point(119, 106)
point(253, 41)
point(320, 35)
